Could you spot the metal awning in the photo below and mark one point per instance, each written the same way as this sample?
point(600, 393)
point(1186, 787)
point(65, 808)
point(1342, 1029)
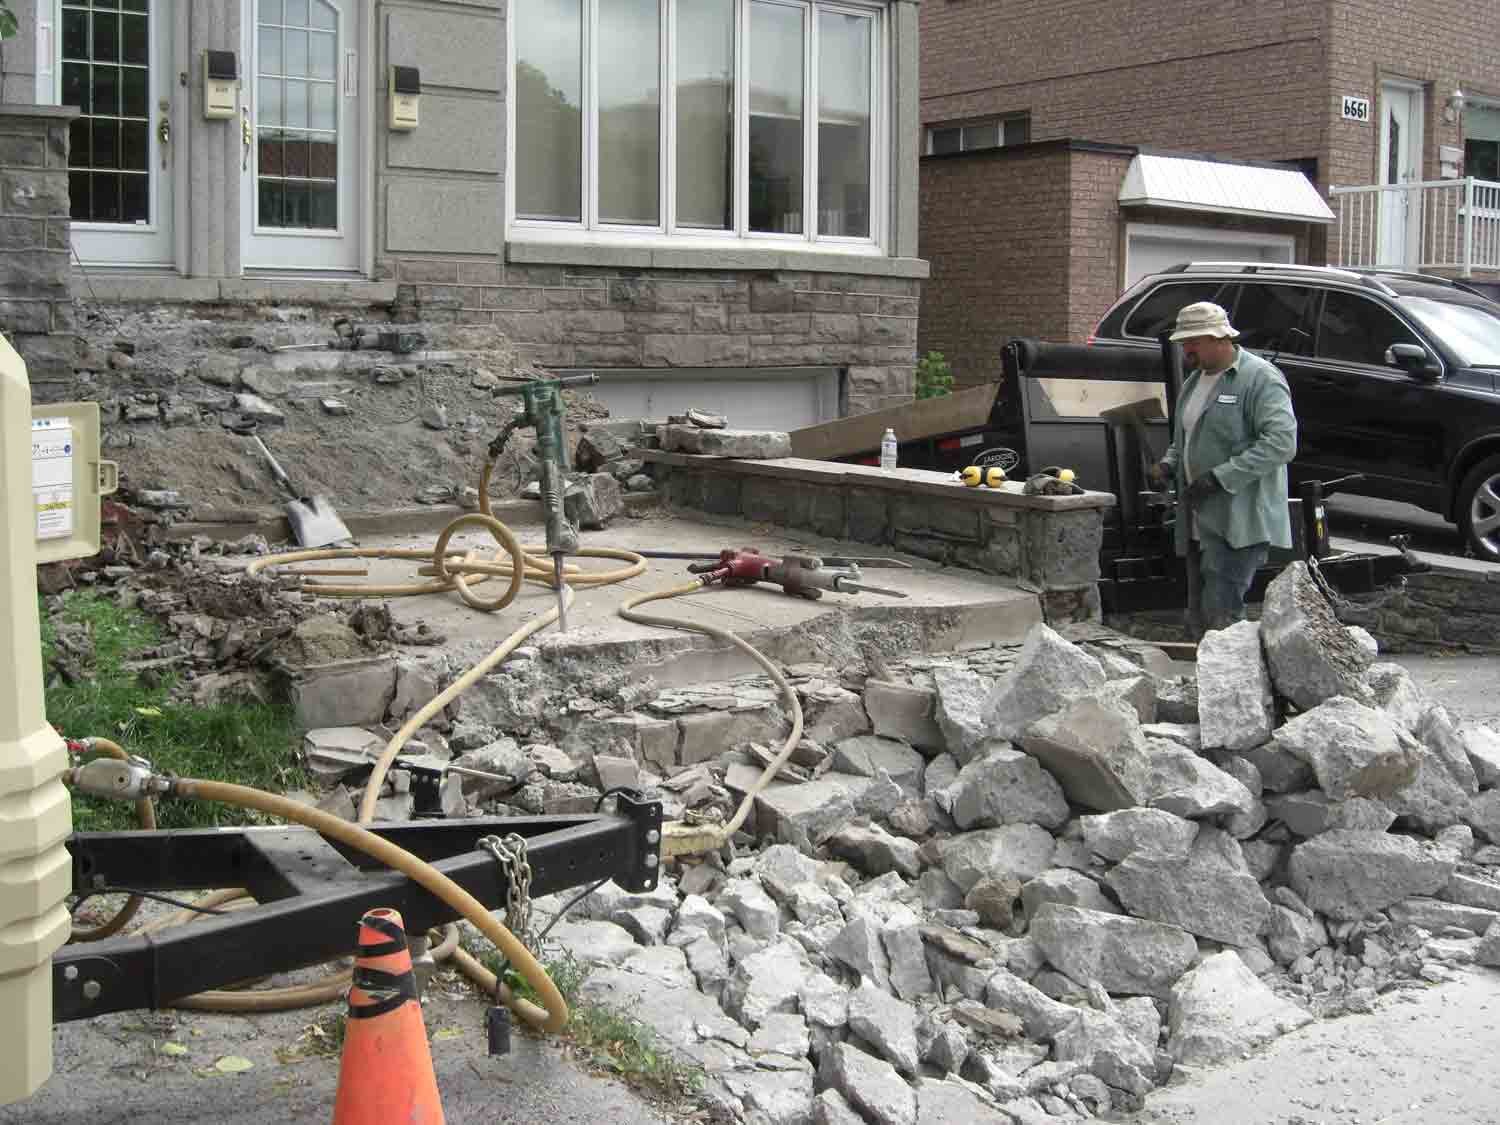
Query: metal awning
point(1184, 184)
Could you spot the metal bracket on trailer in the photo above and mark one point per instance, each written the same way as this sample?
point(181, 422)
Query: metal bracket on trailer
point(313, 893)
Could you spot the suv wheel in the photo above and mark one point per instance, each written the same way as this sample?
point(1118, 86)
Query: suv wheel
point(1479, 509)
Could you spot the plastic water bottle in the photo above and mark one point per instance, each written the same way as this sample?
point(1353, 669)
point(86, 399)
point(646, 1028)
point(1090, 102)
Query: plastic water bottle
point(888, 451)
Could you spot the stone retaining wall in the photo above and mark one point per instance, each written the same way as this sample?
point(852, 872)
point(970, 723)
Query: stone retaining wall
point(1049, 544)
point(1442, 609)
point(34, 221)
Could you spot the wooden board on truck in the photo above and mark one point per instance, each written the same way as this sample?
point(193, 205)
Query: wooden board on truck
point(968, 409)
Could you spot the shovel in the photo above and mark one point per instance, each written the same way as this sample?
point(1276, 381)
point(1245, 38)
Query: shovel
point(313, 520)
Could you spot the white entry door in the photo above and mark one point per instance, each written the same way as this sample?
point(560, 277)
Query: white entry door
point(115, 63)
point(1400, 163)
point(301, 157)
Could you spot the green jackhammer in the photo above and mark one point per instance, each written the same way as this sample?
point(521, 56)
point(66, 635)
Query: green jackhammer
point(542, 410)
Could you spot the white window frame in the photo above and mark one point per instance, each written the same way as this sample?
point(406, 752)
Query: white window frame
point(667, 234)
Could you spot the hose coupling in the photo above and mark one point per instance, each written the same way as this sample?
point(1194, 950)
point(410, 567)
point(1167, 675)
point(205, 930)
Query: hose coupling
point(121, 781)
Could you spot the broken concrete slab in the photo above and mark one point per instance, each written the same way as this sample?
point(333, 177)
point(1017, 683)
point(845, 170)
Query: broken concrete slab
point(869, 1084)
point(327, 751)
point(1482, 745)
point(860, 947)
point(593, 942)
point(1235, 703)
point(1020, 850)
point(993, 898)
point(948, 1102)
point(766, 982)
point(1280, 772)
point(775, 1095)
point(1137, 692)
point(344, 693)
point(1220, 1010)
point(1208, 891)
point(751, 907)
point(1436, 730)
point(961, 708)
point(1354, 750)
point(1006, 786)
point(887, 1024)
point(1472, 890)
point(1095, 750)
point(1311, 656)
point(1432, 800)
point(801, 814)
point(830, 1108)
point(1311, 813)
point(783, 870)
point(1127, 955)
point(1435, 916)
point(1189, 786)
point(865, 755)
point(1048, 673)
point(1040, 1015)
point(1349, 874)
point(1070, 888)
point(1483, 815)
point(906, 713)
point(874, 850)
point(1290, 934)
point(1115, 835)
point(902, 937)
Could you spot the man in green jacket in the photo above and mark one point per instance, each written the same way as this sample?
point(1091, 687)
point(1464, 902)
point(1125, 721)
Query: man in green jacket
point(1233, 437)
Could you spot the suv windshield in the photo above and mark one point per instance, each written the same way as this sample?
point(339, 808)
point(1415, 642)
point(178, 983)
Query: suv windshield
point(1472, 333)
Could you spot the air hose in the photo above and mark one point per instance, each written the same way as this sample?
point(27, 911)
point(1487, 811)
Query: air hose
point(457, 570)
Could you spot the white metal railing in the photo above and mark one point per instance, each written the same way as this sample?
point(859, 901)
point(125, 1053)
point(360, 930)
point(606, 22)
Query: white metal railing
point(1436, 224)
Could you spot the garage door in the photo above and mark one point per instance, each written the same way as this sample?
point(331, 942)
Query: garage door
point(773, 398)
point(1150, 248)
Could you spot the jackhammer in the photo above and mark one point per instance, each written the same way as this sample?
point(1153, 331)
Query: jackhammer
point(542, 410)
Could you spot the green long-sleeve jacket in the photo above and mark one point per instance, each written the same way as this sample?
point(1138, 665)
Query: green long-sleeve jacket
point(1246, 436)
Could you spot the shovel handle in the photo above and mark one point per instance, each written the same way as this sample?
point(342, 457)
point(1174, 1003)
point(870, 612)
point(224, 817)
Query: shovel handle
point(276, 470)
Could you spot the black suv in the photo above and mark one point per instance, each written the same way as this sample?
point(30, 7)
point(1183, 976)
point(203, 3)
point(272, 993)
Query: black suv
point(1393, 375)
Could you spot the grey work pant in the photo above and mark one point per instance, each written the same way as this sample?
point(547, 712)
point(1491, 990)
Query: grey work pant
point(1219, 577)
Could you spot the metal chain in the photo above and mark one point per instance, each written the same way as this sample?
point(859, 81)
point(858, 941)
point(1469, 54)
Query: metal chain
point(510, 854)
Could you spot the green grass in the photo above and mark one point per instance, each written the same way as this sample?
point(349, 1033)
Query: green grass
point(251, 744)
point(606, 1037)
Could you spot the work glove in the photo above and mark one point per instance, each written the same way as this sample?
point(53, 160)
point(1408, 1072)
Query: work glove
point(1202, 488)
point(1159, 474)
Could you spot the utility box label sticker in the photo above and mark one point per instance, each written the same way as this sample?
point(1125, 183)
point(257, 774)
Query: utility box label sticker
point(52, 452)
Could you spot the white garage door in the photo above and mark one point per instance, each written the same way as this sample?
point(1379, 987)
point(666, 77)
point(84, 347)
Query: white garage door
point(777, 398)
point(1150, 248)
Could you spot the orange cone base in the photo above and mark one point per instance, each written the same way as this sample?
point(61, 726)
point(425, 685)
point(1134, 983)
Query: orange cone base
point(385, 1075)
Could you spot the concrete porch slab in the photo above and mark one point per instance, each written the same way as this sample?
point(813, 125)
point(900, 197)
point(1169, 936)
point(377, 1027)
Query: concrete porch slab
point(946, 608)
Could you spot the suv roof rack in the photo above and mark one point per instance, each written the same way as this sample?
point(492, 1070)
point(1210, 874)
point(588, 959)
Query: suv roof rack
point(1409, 275)
point(1367, 279)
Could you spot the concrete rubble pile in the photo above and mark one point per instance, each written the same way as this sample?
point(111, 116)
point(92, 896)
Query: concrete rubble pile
point(1031, 886)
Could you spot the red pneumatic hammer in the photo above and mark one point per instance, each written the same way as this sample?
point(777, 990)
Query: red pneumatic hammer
point(799, 575)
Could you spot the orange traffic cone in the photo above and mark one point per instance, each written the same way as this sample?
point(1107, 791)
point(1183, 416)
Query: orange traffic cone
point(385, 1074)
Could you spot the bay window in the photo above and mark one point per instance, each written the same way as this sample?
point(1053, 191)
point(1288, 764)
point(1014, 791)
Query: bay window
point(753, 120)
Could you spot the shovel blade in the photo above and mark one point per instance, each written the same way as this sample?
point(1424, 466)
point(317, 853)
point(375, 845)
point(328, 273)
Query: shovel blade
point(314, 522)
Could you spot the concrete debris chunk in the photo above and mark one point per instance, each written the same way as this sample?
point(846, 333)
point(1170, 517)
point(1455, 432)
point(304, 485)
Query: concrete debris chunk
point(782, 869)
point(1310, 813)
point(777, 1097)
point(1349, 874)
point(1208, 892)
point(593, 942)
point(1311, 656)
point(1049, 672)
point(696, 915)
point(1235, 704)
point(766, 982)
point(1354, 750)
point(1483, 815)
point(1125, 955)
point(781, 1034)
point(865, 755)
point(859, 946)
point(944, 1045)
point(824, 1001)
point(948, 1102)
point(1472, 890)
point(1397, 694)
point(1177, 700)
point(869, 1084)
point(1482, 745)
point(993, 898)
point(1041, 1016)
point(1488, 952)
point(1021, 850)
point(1192, 787)
point(962, 702)
point(902, 938)
point(1096, 752)
point(1280, 772)
point(875, 851)
point(1433, 800)
point(1137, 692)
point(1436, 917)
point(887, 1024)
point(830, 1108)
point(646, 924)
point(1115, 835)
point(1437, 731)
point(1003, 787)
point(906, 713)
point(1291, 934)
point(1220, 1010)
point(752, 908)
point(1071, 888)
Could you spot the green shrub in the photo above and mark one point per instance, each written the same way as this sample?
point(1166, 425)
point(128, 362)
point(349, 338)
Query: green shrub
point(934, 376)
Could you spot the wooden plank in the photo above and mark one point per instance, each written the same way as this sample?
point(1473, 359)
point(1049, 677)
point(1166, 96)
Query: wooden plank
point(968, 409)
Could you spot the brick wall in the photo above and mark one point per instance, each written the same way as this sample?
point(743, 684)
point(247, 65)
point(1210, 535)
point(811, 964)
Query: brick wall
point(34, 224)
point(1240, 80)
point(588, 316)
point(1022, 242)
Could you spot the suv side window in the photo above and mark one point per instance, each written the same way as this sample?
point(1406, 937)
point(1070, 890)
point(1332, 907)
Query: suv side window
point(1158, 312)
point(1357, 330)
point(1267, 313)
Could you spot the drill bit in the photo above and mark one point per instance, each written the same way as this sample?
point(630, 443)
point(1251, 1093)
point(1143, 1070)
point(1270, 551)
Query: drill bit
point(562, 596)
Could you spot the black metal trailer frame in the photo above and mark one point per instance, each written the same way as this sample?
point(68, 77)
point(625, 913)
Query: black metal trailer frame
point(313, 892)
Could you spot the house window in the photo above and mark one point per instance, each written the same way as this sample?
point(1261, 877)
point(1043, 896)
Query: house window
point(746, 119)
point(992, 132)
point(105, 55)
point(1482, 141)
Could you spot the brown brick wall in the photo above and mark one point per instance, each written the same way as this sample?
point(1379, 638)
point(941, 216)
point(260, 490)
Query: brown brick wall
point(1241, 80)
point(1022, 242)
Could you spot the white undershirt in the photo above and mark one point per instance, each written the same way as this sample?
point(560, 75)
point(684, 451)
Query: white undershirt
point(1192, 411)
